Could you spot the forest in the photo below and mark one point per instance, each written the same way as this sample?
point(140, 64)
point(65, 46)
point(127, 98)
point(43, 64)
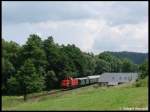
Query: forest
point(136, 57)
point(40, 65)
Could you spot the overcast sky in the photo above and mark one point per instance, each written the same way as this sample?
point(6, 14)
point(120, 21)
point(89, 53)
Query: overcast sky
point(91, 26)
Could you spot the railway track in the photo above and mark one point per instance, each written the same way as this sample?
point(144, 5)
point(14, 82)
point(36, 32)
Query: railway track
point(48, 93)
point(53, 92)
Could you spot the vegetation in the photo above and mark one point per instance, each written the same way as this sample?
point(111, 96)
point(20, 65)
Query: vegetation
point(27, 80)
point(137, 58)
point(40, 65)
point(86, 98)
point(143, 68)
point(141, 83)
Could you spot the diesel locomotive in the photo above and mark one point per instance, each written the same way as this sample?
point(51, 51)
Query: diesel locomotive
point(77, 82)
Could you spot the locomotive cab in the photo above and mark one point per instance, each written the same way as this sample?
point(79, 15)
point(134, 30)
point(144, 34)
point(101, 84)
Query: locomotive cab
point(65, 83)
point(69, 82)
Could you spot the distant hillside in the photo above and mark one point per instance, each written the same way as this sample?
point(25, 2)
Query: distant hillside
point(137, 58)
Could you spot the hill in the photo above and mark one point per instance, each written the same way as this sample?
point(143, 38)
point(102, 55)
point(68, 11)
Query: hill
point(85, 98)
point(136, 57)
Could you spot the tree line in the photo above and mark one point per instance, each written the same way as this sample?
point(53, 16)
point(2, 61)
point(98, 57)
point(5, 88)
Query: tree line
point(41, 64)
point(136, 57)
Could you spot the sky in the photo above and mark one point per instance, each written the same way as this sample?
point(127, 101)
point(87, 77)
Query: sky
point(92, 26)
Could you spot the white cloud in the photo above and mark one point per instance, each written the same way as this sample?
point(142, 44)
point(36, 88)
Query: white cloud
point(92, 26)
point(128, 37)
point(114, 12)
point(91, 35)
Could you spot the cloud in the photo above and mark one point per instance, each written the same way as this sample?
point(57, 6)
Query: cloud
point(123, 38)
point(44, 11)
point(91, 26)
point(78, 32)
point(91, 35)
point(114, 12)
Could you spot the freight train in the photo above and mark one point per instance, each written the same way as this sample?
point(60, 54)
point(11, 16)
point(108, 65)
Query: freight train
point(77, 82)
point(106, 79)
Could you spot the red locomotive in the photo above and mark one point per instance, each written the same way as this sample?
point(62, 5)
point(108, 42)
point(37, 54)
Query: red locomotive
point(69, 83)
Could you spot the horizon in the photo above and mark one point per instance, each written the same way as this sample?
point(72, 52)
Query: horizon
point(91, 26)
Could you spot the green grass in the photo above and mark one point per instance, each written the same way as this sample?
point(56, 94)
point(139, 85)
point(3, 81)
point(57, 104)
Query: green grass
point(86, 98)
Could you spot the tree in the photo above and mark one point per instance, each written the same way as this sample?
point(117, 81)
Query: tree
point(9, 62)
point(13, 86)
point(10, 52)
point(135, 68)
point(143, 69)
point(52, 52)
point(34, 50)
point(28, 79)
point(50, 80)
point(7, 71)
point(114, 62)
point(76, 60)
point(89, 64)
point(102, 66)
point(127, 65)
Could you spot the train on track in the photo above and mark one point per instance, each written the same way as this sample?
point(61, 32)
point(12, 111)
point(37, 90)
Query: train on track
point(78, 82)
point(109, 79)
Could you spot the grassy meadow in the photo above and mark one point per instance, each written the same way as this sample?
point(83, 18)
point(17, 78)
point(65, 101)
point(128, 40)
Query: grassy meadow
point(85, 98)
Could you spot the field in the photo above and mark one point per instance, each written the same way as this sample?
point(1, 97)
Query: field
point(85, 98)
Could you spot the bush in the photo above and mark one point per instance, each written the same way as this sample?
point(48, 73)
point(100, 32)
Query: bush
point(141, 83)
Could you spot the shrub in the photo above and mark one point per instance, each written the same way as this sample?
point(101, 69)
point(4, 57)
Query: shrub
point(141, 82)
